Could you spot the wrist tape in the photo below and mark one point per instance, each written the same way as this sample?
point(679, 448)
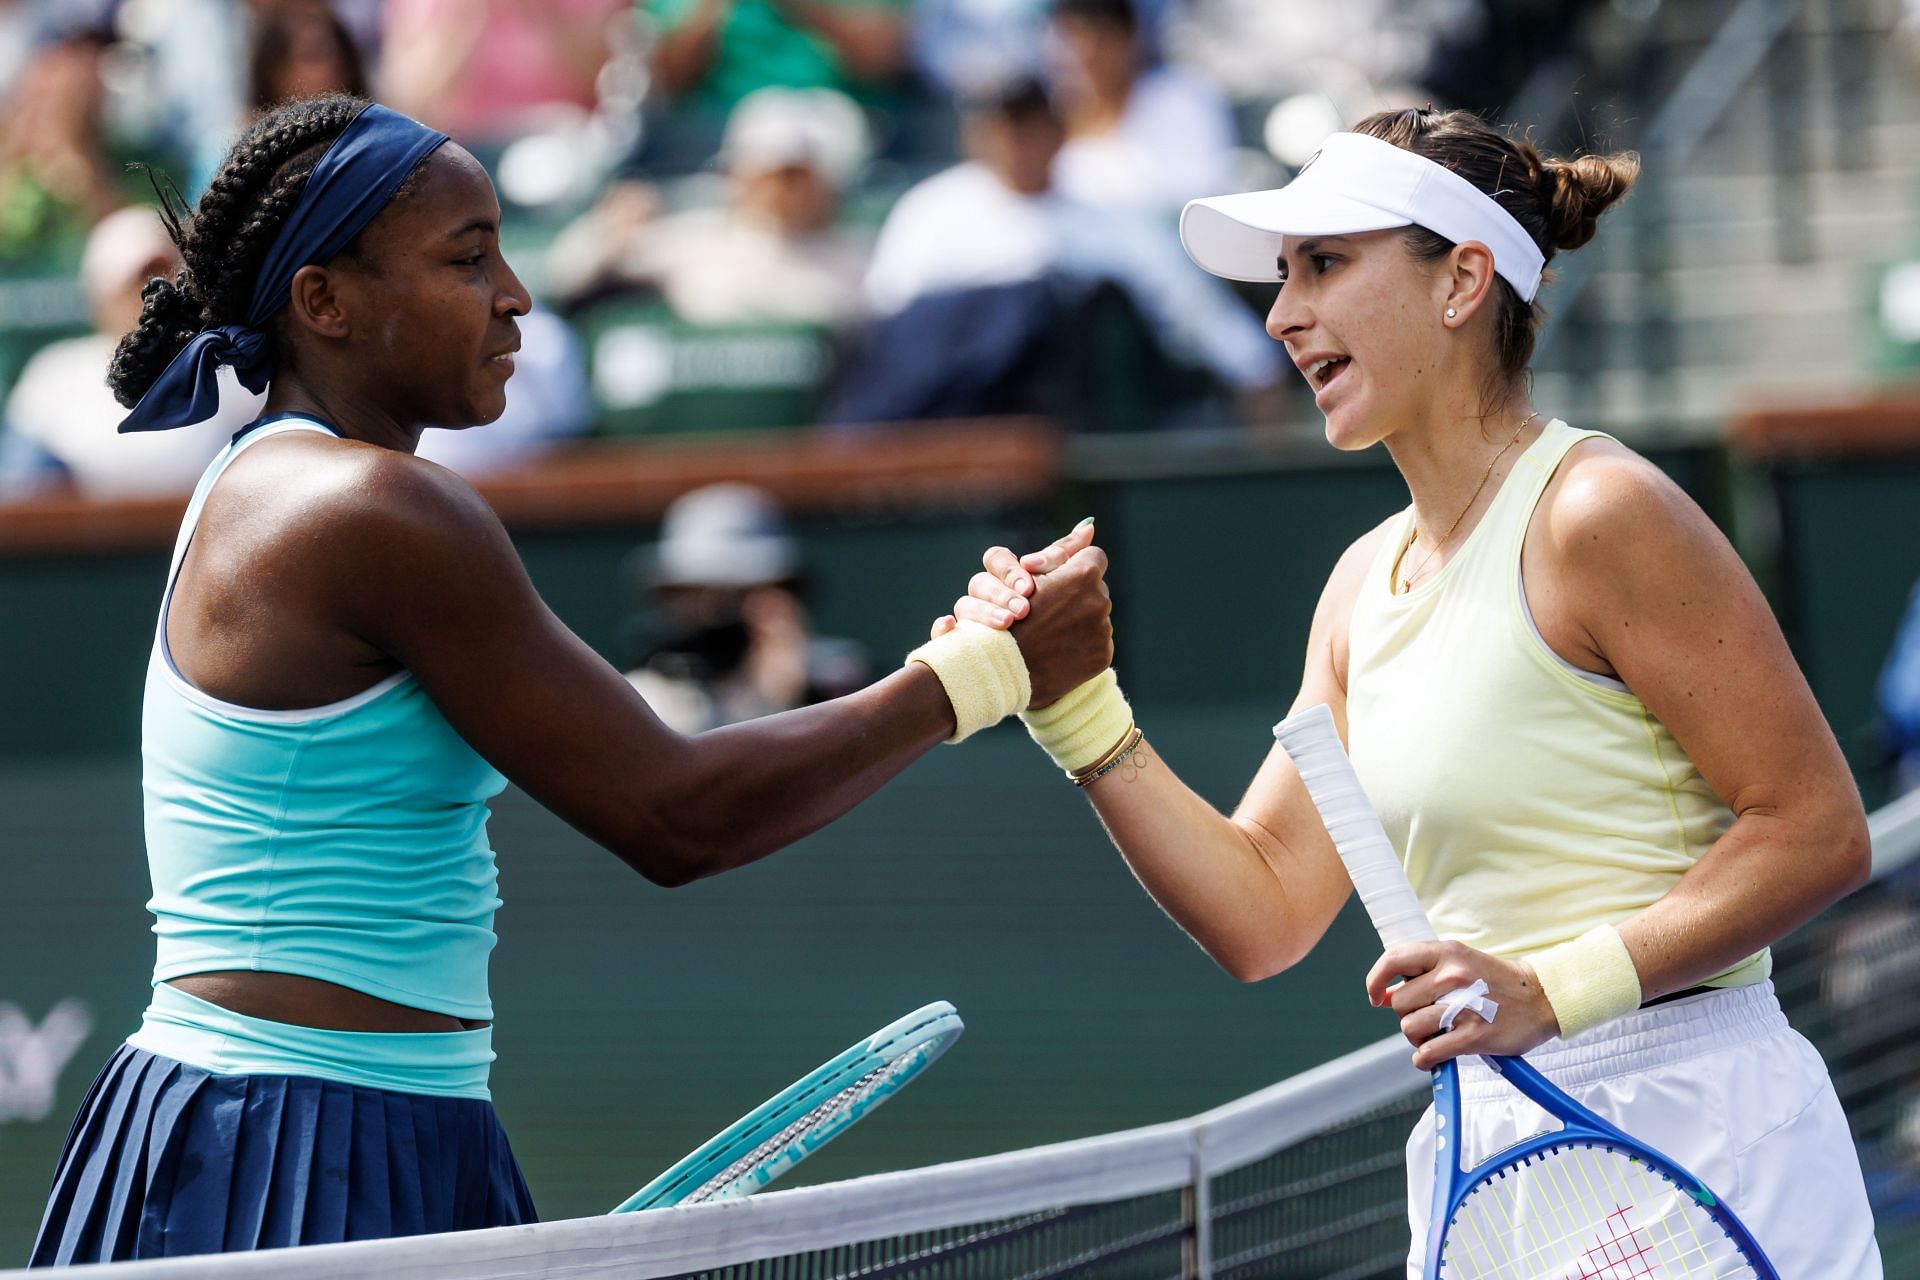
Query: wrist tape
point(1588, 981)
point(1084, 726)
point(983, 672)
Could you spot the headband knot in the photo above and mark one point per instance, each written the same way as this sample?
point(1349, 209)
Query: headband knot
point(353, 181)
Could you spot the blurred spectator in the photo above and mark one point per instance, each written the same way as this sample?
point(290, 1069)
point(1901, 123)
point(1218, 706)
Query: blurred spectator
point(486, 70)
point(301, 49)
point(728, 637)
point(548, 400)
point(196, 58)
point(968, 46)
point(1359, 52)
point(1483, 60)
point(771, 254)
point(217, 64)
point(995, 221)
point(61, 414)
point(19, 33)
point(716, 52)
point(965, 47)
point(1898, 695)
point(1139, 135)
point(55, 178)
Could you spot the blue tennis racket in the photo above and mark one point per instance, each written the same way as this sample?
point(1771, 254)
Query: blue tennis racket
point(806, 1115)
point(1580, 1202)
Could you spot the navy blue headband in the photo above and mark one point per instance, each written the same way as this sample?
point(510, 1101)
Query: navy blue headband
point(352, 182)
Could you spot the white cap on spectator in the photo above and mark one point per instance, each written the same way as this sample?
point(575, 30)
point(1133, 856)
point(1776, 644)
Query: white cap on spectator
point(775, 128)
point(122, 245)
point(1356, 183)
point(724, 535)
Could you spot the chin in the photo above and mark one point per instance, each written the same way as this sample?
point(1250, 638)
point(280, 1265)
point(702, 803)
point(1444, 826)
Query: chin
point(469, 416)
point(485, 411)
point(1350, 432)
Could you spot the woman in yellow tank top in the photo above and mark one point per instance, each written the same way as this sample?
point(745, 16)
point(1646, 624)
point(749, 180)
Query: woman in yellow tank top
point(1583, 730)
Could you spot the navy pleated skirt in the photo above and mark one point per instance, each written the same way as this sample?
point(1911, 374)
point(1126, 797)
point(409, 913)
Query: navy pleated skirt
point(165, 1159)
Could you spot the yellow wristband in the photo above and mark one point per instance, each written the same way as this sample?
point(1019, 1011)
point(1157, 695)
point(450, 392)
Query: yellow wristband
point(983, 672)
point(1081, 728)
point(1588, 981)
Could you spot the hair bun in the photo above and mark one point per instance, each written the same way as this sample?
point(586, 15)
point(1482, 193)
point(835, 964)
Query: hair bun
point(170, 315)
point(1577, 191)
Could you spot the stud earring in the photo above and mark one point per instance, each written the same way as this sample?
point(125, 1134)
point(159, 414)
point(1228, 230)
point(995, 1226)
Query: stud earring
point(1452, 314)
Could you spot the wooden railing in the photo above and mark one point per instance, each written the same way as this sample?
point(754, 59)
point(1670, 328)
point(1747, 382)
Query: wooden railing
point(932, 466)
point(1879, 421)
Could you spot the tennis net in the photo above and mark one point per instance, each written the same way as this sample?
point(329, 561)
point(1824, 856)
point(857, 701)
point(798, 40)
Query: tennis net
point(1301, 1181)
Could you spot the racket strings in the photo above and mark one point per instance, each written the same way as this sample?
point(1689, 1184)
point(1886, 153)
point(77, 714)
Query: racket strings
point(1586, 1213)
point(796, 1132)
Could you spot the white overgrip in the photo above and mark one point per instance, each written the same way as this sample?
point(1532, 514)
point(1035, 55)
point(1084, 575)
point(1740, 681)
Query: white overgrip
point(1313, 744)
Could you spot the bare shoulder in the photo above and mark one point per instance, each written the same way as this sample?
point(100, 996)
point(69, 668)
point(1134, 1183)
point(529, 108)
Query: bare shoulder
point(1350, 570)
point(332, 495)
point(1618, 537)
point(1606, 501)
point(1326, 669)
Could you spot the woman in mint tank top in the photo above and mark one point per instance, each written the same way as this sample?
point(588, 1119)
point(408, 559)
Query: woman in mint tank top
point(1584, 734)
point(349, 661)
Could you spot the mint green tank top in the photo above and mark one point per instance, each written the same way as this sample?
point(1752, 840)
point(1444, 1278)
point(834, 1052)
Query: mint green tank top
point(346, 842)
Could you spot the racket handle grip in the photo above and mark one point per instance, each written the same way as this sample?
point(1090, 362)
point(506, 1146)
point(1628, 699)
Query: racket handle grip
point(1313, 744)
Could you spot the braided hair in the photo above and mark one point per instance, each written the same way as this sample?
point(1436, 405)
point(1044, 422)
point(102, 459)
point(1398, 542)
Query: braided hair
point(224, 242)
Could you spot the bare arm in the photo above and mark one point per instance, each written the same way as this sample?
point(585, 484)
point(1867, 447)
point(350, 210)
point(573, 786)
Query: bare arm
point(681, 56)
point(871, 42)
point(422, 60)
point(1257, 888)
point(577, 38)
point(438, 587)
point(1670, 607)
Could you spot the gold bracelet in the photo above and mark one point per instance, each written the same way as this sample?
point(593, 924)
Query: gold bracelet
point(1119, 745)
point(1119, 756)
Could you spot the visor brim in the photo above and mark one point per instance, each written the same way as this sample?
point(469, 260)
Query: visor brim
point(1239, 237)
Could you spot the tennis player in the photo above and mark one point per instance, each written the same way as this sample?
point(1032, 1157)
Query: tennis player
point(1583, 731)
point(350, 660)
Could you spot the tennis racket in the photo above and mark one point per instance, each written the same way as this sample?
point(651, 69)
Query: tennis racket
point(806, 1115)
point(1592, 1202)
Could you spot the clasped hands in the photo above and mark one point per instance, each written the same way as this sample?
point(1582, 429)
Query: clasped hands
point(1013, 591)
point(1054, 601)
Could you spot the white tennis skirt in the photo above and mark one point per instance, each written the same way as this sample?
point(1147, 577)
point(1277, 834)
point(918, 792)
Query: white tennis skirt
point(1719, 1083)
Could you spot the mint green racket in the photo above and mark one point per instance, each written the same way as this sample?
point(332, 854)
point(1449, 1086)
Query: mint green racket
point(806, 1115)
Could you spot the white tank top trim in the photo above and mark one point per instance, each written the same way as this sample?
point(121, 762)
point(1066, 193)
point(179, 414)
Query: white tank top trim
point(1526, 611)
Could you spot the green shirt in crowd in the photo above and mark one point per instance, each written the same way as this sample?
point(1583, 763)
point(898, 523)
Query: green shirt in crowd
point(758, 45)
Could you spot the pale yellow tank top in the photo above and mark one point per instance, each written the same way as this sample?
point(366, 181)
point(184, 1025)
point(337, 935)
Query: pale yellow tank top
point(1529, 800)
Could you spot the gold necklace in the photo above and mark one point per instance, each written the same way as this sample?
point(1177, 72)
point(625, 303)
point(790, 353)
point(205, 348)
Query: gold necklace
point(1406, 583)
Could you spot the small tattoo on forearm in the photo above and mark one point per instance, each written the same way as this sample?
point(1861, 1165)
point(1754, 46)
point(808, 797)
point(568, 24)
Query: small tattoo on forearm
point(1136, 763)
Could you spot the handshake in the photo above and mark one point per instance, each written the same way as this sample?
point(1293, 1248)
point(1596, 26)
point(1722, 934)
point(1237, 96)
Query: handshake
point(1034, 634)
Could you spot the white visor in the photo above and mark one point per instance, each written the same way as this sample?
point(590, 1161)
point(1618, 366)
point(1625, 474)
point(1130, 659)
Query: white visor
point(1356, 183)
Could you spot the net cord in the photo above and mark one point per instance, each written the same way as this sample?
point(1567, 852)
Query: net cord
point(667, 1242)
